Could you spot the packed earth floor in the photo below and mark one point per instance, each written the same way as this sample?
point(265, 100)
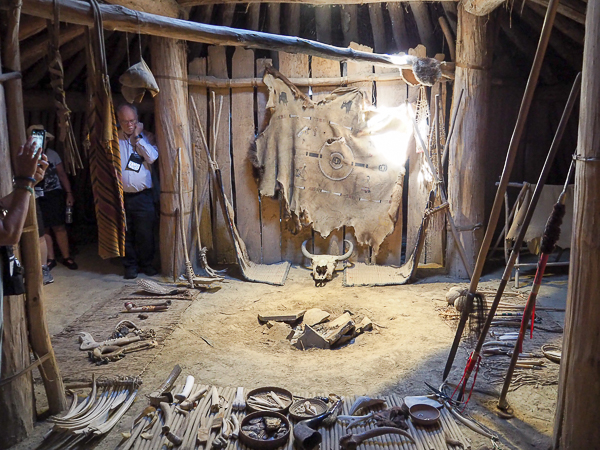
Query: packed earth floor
point(408, 346)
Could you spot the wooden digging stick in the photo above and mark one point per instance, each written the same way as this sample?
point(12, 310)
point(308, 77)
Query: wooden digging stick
point(511, 155)
point(530, 210)
point(189, 270)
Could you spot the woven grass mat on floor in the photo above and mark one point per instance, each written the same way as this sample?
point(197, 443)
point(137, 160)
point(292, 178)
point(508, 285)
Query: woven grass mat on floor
point(100, 322)
point(275, 274)
point(361, 274)
point(427, 438)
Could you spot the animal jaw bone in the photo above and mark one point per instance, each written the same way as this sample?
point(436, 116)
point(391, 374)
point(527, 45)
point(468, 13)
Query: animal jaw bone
point(323, 266)
point(352, 441)
point(88, 343)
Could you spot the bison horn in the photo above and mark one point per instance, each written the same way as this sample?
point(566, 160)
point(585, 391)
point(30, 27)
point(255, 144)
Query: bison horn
point(346, 255)
point(306, 252)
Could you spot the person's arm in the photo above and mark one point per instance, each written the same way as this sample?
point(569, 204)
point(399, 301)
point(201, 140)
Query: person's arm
point(65, 183)
point(26, 164)
point(142, 146)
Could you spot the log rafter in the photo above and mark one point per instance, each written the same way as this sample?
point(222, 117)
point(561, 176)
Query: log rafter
point(124, 19)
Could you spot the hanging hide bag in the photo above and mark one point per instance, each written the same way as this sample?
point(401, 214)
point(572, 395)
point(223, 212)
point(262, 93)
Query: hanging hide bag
point(12, 272)
point(136, 80)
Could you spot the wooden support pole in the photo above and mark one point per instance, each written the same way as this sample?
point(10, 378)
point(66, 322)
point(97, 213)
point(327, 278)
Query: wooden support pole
point(378, 27)
point(292, 19)
point(273, 16)
point(39, 337)
point(16, 398)
point(577, 411)
point(349, 16)
point(425, 27)
point(466, 169)
point(172, 132)
point(253, 17)
point(123, 19)
point(323, 23)
point(396, 11)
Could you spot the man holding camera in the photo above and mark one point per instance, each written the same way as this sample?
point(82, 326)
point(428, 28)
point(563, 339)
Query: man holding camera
point(138, 152)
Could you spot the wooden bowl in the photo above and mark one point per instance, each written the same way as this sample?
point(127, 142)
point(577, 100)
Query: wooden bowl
point(297, 411)
point(423, 414)
point(264, 444)
point(284, 395)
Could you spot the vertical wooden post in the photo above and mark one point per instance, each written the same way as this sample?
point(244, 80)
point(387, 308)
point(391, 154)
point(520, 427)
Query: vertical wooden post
point(466, 168)
point(578, 411)
point(349, 16)
point(270, 210)
point(39, 338)
point(292, 66)
point(396, 11)
point(16, 398)
point(247, 210)
point(217, 67)
point(362, 253)
point(323, 68)
point(172, 132)
point(378, 28)
point(323, 22)
point(202, 170)
point(391, 94)
point(291, 18)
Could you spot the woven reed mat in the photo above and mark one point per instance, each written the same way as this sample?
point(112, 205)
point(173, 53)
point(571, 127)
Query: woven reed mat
point(361, 274)
point(100, 322)
point(275, 274)
point(427, 438)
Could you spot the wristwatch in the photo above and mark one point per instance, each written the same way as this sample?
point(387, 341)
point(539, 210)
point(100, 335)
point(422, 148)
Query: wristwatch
point(139, 136)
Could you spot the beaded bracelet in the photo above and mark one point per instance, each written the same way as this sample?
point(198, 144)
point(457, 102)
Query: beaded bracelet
point(25, 179)
point(27, 188)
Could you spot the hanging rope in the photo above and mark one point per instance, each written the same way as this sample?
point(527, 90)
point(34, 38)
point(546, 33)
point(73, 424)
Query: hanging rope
point(66, 136)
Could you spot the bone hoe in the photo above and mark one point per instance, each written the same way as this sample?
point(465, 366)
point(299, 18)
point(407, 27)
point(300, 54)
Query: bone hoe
point(189, 403)
point(187, 389)
point(168, 415)
point(215, 402)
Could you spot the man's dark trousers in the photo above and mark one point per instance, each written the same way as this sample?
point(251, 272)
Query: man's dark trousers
point(139, 238)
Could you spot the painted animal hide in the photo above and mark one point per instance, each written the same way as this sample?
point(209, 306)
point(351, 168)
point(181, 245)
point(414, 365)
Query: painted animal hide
point(337, 162)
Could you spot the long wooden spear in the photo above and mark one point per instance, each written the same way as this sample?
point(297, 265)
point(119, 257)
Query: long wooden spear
point(530, 210)
point(508, 165)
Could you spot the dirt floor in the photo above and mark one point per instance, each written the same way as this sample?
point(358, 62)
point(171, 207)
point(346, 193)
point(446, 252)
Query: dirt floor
point(408, 346)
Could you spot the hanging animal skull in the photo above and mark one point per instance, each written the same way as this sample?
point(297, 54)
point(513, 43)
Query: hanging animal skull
point(324, 265)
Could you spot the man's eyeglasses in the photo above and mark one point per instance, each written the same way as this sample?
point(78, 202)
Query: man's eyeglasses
point(128, 122)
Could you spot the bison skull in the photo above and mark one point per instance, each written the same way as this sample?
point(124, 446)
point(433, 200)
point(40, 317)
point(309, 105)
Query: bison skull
point(324, 265)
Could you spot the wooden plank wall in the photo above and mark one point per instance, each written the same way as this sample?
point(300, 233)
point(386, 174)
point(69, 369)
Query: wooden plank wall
point(269, 235)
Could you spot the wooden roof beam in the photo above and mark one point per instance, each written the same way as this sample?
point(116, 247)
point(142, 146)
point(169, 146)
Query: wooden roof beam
point(123, 19)
point(563, 24)
point(565, 10)
point(34, 51)
point(30, 26)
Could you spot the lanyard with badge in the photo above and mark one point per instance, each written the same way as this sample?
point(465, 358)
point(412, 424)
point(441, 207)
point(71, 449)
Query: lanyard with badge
point(135, 161)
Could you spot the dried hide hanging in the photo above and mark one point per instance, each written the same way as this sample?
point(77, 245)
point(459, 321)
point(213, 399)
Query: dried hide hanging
point(104, 152)
point(136, 80)
point(66, 136)
point(337, 162)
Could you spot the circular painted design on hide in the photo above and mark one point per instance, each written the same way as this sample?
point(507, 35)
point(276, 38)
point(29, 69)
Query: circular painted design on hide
point(336, 159)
